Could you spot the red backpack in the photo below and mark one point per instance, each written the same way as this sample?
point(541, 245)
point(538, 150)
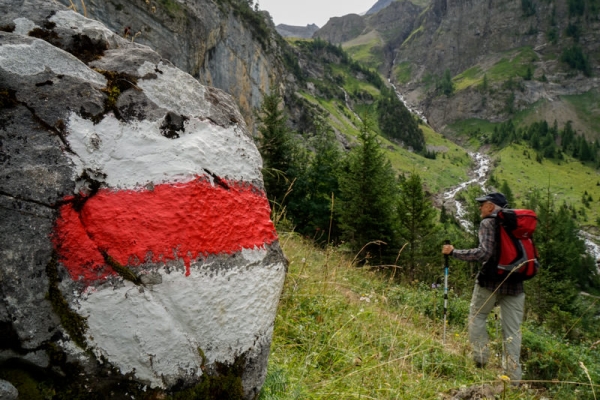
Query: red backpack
point(516, 250)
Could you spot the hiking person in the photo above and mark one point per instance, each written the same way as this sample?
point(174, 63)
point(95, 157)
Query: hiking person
point(491, 290)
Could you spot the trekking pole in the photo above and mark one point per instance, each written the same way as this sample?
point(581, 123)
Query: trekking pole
point(445, 291)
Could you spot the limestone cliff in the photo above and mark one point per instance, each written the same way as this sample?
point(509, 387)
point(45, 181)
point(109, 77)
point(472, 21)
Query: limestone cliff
point(220, 43)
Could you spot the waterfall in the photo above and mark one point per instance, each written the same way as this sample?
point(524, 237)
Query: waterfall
point(418, 113)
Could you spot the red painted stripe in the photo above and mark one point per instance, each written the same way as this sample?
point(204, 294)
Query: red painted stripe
point(170, 222)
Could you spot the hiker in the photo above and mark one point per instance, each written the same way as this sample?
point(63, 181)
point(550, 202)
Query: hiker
point(490, 290)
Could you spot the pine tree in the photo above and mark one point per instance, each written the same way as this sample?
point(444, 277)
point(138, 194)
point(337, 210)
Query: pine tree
point(367, 190)
point(417, 227)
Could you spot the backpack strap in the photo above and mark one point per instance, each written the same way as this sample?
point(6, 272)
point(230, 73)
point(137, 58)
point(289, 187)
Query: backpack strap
point(488, 270)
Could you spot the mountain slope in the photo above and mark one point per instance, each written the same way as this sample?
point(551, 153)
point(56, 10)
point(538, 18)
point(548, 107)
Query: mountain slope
point(304, 32)
point(532, 54)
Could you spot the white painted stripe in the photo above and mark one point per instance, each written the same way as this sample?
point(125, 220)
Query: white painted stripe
point(34, 58)
point(157, 331)
point(135, 154)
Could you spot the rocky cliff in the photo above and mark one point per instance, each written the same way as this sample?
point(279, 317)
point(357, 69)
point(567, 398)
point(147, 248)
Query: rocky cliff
point(137, 256)
point(458, 35)
point(341, 29)
point(518, 46)
point(222, 43)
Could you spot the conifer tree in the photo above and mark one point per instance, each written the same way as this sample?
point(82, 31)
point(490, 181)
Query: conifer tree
point(417, 227)
point(396, 122)
point(508, 193)
point(282, 156)
point(367, 190)
point(313, 214)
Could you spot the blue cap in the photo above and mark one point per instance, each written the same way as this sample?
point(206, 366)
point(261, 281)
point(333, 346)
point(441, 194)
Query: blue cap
point(496, 198)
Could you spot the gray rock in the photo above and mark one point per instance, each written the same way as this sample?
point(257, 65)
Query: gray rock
point(8, 391)
point(203, 38)
point(86, 115)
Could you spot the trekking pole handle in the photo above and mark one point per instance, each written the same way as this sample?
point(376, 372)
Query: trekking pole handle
point(447, 241)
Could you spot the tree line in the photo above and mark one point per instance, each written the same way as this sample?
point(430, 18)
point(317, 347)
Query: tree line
point(548, 141)
point(356, 201)
point(353, 198)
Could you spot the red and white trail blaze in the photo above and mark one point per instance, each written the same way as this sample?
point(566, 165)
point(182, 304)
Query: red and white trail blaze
point(170, 222)
point(194, 200)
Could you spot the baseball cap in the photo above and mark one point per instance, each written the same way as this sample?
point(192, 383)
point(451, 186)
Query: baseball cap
point(496, 198)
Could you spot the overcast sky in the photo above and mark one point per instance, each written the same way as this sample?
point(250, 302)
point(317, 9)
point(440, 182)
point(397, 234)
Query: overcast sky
point(304, 12)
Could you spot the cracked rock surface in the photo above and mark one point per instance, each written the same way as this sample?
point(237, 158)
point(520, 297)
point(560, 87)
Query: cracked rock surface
point(136, 246)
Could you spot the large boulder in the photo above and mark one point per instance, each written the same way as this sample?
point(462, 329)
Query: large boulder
point(137, 255)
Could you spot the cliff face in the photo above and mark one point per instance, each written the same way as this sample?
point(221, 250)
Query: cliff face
point(415, 43)
point(457, 35)
point(341, 29)
point(209, 40)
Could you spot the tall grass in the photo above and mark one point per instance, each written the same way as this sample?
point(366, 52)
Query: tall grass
point(348, 332)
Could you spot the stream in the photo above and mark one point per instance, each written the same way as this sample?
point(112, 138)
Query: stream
point(410, 108)
point(479, 174)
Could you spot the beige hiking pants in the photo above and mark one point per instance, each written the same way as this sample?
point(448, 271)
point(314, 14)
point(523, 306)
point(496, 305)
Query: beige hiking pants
point(511, 308)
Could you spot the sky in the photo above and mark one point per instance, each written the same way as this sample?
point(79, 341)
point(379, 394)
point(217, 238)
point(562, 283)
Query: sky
point(304, 12)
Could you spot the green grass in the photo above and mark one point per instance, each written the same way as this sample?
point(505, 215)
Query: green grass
point(403, 72)
point(587, 106)
point(448, 169)
point(343, 332)
point(567, 179)
point(414, 34)
point(514, 63)
point(366, 49)
point(471, 77)
point(351, 84)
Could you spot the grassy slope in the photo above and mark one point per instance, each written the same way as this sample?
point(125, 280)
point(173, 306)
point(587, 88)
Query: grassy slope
point(366, 49)
point(567, 180)
point(448, 169)
point(343, 332)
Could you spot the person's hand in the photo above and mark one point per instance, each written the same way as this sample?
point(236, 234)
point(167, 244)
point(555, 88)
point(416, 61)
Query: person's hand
point(447, 249)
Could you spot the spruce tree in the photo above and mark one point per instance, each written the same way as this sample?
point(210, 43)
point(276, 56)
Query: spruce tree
point(396, 122)
point(367, 190)
point(313, 214)
point(282, 156)
point(417, 228)
point(508, 193)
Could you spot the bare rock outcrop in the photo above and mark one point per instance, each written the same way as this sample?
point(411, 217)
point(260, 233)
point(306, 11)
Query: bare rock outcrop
point(137, 253)
point(219, 45)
